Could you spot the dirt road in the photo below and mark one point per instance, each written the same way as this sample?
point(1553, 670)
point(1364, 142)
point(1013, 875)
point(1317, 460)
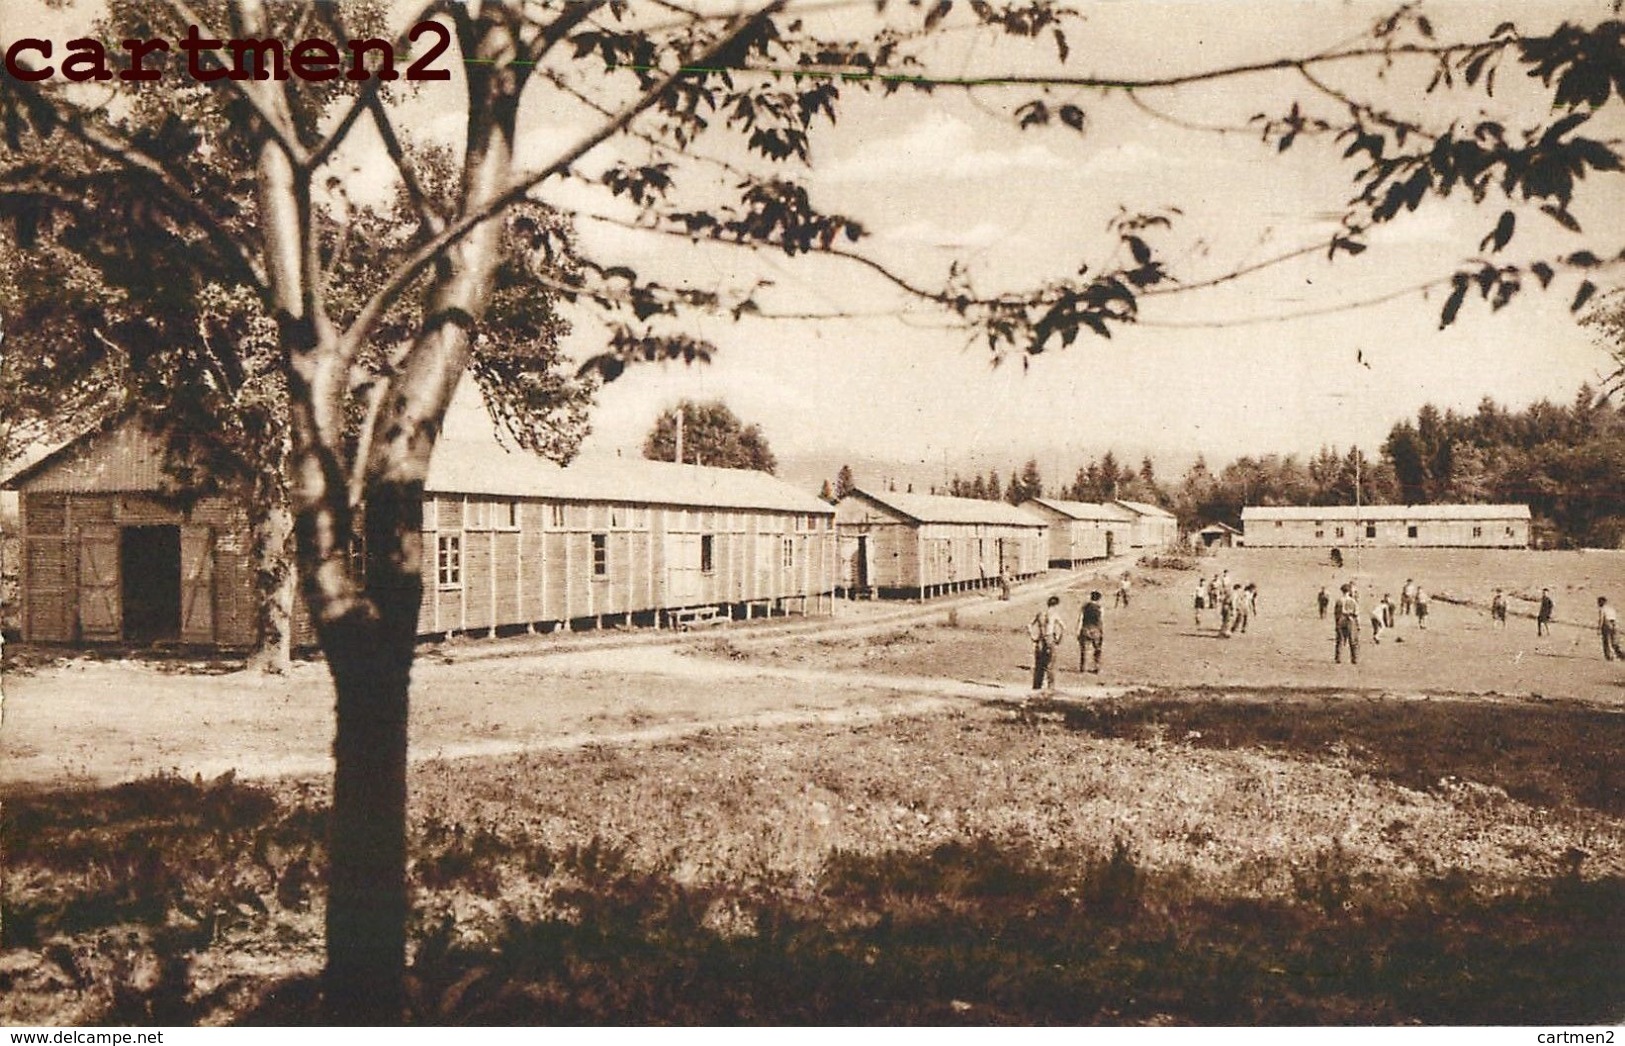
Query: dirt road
point(89, 721)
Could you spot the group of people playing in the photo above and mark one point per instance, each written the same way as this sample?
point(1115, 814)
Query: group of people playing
point(1413, 599)
point(1607, 620)
point(1048, 631)
point(1543, 616)
point(1236, 603)
point(1346, 618)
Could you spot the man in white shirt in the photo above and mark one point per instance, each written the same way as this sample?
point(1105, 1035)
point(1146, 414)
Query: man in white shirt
point(1608, 628)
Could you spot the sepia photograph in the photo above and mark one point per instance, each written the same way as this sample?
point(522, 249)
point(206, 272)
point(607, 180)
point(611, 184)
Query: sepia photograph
point(806, 513)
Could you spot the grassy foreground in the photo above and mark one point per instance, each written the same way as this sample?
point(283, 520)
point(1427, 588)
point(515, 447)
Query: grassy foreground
point(1178, 857)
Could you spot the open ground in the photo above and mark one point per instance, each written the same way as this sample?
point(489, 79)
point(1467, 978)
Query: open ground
point(672, 828)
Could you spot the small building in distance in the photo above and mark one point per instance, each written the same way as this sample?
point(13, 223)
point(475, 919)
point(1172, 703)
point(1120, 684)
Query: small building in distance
point(1386, 526)
point(1154, 527)
point(920, 545)
point(1081, 531)
point(117, 550)
point(1218, 535)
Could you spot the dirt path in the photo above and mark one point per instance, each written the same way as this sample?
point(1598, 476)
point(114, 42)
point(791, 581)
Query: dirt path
point(88, 721)
point(102, 722)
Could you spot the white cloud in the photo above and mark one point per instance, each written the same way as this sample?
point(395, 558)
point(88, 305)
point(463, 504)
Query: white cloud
point(933, 234)
point(940, 145)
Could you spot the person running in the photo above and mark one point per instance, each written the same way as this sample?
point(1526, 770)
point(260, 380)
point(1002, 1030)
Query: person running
point(1046, 631)
point(1091, 632)
point(1543, 618)
point(1420, 601)
point(1201, 599)
point(1498, 608)
point(1608, 628)
point(1348, 625)
point(1323, 601)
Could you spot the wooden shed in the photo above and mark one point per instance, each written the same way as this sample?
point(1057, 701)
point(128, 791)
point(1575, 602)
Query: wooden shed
point(1154, 527)
point(919, 545)
point(1081, 531)
point(1386, 526)
point(114, 551)
point(516, 540)
point(1218, 535)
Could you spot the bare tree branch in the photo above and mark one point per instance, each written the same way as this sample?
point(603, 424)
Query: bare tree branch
point(403, 275)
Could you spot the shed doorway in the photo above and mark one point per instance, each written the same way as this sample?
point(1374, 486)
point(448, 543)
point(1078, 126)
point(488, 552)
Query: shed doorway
point(150, 583)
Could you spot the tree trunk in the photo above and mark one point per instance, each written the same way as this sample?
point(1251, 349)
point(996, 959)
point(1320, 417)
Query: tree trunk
point(370, 657)
point(276, 583)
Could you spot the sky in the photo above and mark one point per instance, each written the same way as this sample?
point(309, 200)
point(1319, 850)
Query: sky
point(1215, 372)
point(1280, 361)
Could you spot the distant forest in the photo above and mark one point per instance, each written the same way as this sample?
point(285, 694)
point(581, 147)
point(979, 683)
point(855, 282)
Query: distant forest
point(1566, 462)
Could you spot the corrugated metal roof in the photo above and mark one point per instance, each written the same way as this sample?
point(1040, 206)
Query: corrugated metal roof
point(1089, 510)
point(937, 508)
point(116, 455)
point(1143, 508)
point(470, 468)
point(1271, 513)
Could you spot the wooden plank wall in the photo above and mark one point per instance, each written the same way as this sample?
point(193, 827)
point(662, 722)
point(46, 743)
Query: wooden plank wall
point(570, 562)
point(52, 527)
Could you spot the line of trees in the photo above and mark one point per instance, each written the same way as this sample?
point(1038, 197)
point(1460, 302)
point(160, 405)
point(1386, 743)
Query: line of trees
point(1565, 461)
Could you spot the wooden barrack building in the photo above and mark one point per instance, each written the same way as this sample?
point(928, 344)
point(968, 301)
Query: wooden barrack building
point(1081, 531)
point(1386, 526)
point(114, 551)
point(921, 545)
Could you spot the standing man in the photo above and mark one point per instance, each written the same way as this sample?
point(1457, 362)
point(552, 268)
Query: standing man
point(1407, 598)
point(1239, 609)
point(1498, 608)
point(1608, 628)
point(1421, 601)
point(1348, 625)
point(1323, 601)
point(1091, 632)
point(1201, 599)
point(1543, 620)
point(1046, 631)
point(1122, 591)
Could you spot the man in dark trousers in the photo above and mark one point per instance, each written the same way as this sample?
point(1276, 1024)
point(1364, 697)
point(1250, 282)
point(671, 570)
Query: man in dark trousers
point(1608, 627)
point(1347, 613)
point(1543, 619)
point(1091, 632)
point(1046, 631)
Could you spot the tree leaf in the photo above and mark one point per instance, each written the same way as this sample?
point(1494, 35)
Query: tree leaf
point(1452, 304)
